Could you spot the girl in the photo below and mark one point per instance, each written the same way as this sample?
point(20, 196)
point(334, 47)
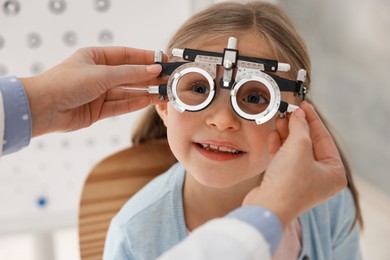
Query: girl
point(222, 156)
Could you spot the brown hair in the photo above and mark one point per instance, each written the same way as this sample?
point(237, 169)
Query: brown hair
point(222, 20)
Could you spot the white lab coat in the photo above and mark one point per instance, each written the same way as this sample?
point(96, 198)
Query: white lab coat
point(224, 238)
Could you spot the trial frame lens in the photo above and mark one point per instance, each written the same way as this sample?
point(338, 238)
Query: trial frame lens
point(203, 74)
point(267, 86)
point(178, 90)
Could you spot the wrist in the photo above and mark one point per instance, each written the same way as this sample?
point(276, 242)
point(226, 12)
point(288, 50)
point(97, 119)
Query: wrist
point(17, 116)
point(265, 221)
point(38, 104)
point(284, 210)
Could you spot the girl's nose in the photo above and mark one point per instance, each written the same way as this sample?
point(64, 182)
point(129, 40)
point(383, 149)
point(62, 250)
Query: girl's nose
point(221, 114)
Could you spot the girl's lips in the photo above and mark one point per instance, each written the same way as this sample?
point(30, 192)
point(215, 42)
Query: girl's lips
point(218, 151)
point(220, 145)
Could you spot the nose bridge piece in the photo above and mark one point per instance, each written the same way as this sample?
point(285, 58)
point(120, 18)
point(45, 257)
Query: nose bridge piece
point(229, 61)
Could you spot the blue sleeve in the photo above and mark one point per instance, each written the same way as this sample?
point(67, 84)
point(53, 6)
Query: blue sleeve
point(266, 222)
point(17, 130)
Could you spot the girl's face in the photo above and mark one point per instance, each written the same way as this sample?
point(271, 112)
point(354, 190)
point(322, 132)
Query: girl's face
point(216, 146)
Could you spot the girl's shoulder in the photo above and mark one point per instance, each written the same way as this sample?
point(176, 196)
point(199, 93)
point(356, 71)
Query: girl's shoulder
point(330, 229)
point(339, 208)
point(342, 209)
point(163, 189)
point(341, 202)
point(156, 213)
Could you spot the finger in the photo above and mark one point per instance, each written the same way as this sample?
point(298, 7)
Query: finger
point(299, 130)
point(120, 55)
point(119, 93)
point(127, 74)
point(323, 144)
point(120, 107)
point(152, 82)
point(323, 150)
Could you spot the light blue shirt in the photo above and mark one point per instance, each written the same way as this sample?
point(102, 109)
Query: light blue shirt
point(17, 131)
point(152, 222)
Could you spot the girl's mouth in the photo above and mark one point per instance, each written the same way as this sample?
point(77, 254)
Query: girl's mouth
point(218, 149)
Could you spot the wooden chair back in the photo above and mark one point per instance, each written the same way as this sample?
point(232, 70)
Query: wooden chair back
point(110, 184)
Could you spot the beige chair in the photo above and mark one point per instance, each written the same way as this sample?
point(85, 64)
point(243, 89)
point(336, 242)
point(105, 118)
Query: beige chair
point(110, 184)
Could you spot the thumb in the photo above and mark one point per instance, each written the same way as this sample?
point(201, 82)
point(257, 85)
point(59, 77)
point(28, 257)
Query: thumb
point(298, 125)
point(128, 74)
point(298, 139)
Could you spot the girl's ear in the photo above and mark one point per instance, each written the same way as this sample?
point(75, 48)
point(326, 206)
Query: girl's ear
point(162, 110)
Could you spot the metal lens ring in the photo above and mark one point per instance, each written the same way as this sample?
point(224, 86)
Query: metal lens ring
point(256, 87)
point(191, 86)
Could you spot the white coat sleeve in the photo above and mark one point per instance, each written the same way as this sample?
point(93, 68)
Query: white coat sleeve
point(224, 238)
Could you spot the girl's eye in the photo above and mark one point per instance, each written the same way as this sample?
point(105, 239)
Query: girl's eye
point(199, 88)
point(255, 99)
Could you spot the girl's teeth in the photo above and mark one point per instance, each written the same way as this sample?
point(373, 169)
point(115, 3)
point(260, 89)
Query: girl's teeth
point(212, 147)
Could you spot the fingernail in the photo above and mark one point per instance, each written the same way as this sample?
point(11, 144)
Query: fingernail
point(155, 68)
point(299, 112)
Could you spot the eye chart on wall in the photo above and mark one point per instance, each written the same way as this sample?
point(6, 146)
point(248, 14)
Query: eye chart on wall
point(41, 185)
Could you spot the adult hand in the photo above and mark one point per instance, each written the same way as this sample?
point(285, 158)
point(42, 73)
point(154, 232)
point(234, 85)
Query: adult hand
point(305, 170)
point(86, 88)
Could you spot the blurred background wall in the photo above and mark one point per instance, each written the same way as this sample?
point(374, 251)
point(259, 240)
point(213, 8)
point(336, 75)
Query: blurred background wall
point(349, 42)
point(40, 186)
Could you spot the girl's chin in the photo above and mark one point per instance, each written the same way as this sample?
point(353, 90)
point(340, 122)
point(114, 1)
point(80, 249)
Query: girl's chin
point(225, 178)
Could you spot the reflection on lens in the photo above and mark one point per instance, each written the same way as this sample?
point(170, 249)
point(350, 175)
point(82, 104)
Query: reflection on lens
point(253, 97)
point(193, 89)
